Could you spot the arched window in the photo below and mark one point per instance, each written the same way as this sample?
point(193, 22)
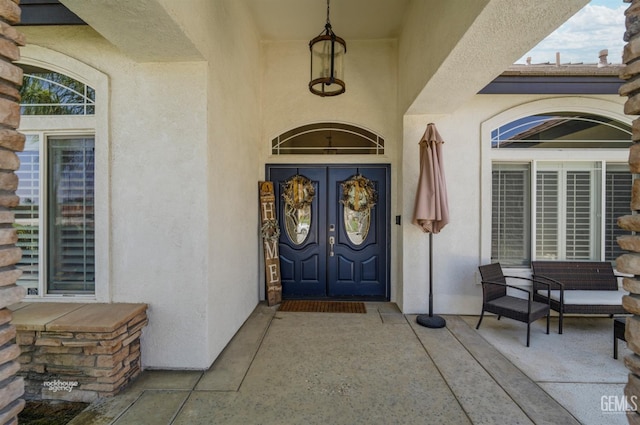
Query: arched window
point(46, 92)
point(559, 180)
point(56, 215)
point(562, 130)
point(328, 138)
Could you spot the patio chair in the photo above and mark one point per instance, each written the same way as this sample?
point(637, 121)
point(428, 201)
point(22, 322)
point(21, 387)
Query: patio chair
point(495, 299)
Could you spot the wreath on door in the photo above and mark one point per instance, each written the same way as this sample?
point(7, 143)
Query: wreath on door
point(359, 193)
point(298, 192)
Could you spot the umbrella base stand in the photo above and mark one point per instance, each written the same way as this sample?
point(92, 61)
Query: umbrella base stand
point(431, 321)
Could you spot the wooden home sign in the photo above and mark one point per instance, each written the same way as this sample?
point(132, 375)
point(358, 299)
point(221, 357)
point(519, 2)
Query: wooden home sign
point(270, 236)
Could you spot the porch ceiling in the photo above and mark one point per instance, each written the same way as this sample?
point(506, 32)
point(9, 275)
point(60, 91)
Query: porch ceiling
point(147, 30)
point(350, 19)
point(142, 29)
point(448, 49)
point(492, 39)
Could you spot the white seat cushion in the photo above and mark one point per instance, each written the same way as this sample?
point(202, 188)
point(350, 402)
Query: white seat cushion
point(588, 297)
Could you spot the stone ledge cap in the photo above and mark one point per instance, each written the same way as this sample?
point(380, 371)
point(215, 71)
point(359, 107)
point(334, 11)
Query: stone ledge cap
point(97, 318)
point(35, 316)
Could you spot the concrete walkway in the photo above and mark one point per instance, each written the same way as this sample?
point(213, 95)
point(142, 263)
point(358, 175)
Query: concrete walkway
point(331, 368)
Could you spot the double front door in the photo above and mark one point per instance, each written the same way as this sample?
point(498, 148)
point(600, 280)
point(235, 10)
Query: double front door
point(334, 230)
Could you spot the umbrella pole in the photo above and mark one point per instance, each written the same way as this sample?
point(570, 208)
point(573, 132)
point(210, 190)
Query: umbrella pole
point(431, 321)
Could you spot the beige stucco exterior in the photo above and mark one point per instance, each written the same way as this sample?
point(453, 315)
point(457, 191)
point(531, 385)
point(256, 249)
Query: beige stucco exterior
point(465, 242)
point(185, 132)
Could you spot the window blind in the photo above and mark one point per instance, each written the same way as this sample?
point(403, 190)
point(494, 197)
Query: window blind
point(547, 214)
point(578, 218)
point(511, 206)
point(617, 203)
point(27, 214)
point(71, 241)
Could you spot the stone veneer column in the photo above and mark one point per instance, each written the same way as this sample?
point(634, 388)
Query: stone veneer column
point(11, 386)
point(630, 263)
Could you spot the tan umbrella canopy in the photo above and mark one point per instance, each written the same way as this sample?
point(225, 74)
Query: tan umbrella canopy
point(431, 212)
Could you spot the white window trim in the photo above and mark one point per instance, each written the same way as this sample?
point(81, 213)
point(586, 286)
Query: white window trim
point(96, 125)
point(488, 156)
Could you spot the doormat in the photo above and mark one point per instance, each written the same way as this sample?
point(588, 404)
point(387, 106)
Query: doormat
point(322, 306)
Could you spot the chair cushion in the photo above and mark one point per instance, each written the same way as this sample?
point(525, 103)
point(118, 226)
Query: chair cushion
point(517, 304)
point(581, 297)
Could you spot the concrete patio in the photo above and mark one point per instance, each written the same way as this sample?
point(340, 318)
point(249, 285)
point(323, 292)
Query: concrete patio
point(383, 368)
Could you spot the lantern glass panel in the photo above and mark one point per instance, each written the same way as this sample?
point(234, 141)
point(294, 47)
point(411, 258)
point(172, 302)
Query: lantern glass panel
point(321, 60)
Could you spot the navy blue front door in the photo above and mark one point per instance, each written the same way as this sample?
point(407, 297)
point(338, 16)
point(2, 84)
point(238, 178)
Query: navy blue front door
point(325, 260)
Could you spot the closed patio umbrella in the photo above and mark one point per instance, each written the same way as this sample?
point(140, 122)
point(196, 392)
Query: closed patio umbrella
point(431, 212)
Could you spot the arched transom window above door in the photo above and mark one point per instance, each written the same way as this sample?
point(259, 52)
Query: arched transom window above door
point(328, 138)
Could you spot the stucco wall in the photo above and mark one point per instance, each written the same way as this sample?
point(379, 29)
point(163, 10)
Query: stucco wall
point(233, 114)
point(157, 191)
point(457, 249)
point(370, 101)
point(183, 164)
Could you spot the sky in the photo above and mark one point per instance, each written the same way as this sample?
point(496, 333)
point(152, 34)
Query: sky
point(599, 25)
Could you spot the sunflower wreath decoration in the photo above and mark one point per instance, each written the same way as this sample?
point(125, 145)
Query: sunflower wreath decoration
point(358, 193)
point(298, 192)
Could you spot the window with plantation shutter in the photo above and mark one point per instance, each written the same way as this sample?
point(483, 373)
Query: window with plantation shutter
point(55, 218)
point(67, 218)
point(28, 212)
point(70, 215)
point(617, 204)
point(571, 168)
point(567, 199)
point(580, 224)
point(511, 211)
point(547, 215)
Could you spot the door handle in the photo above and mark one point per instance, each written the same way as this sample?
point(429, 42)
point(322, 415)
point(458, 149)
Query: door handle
point(332, 241)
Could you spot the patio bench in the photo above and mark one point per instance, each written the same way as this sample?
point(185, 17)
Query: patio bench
point(578, 287)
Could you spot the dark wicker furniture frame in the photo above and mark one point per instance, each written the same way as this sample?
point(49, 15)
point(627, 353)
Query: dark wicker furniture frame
point(575, 275)
point(619, 325)
point(496, 300)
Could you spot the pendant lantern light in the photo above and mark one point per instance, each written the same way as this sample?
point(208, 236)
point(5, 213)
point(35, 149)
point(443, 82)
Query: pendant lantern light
point(327, 62)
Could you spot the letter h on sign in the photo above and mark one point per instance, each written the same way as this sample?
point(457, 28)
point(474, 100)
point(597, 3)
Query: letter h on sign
point(268, 211)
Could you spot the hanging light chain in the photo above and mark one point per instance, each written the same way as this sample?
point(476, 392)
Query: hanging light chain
point(328, 22)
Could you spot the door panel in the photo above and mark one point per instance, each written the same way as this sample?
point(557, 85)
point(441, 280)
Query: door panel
point(316, 268)
point(304, 273)
point(358, 270)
